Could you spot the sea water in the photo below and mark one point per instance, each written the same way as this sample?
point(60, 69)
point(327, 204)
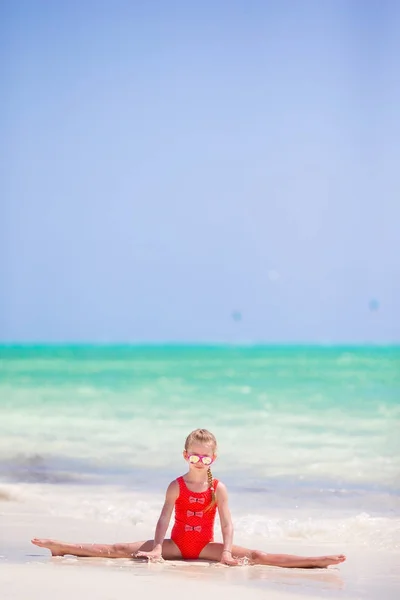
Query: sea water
point(308, 438)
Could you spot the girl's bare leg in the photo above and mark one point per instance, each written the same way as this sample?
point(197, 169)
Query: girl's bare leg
point(213, 551)
point(170, 550)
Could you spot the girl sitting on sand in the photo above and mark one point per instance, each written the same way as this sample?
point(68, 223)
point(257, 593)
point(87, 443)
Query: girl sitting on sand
point(195, 497)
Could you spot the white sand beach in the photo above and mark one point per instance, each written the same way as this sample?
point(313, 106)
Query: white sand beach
point(48, 582)
point(29, 572)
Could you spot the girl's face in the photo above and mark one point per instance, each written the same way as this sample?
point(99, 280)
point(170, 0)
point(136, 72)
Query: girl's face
point(199, 456)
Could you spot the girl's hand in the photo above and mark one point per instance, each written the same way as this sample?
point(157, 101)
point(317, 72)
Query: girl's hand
point(153, 556)
point(227, 559)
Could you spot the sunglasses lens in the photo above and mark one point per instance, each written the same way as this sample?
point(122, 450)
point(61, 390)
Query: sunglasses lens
point(194, 459)
point(206, 460)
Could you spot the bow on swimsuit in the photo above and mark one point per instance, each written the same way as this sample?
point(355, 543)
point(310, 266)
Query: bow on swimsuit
point(194, 526)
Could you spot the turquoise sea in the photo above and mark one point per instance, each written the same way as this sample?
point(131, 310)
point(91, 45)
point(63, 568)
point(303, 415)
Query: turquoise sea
point(309, 437)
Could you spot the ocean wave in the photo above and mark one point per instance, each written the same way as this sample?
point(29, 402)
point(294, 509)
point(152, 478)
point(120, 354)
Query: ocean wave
point(35, 468)
point(361, 529)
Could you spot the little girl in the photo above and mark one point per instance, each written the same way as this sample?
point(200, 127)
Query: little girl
point(195, 497)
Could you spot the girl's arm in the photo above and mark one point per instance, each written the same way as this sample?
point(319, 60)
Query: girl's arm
point(226, 525)
point(163, 522)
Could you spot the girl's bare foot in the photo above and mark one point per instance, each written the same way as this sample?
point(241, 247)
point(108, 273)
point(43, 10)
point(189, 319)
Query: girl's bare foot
point(325, 561)
point(55, 547)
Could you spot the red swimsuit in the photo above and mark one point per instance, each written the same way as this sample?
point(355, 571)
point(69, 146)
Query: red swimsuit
point(194, 526)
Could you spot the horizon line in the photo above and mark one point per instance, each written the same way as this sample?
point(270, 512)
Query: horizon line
point(195, 344)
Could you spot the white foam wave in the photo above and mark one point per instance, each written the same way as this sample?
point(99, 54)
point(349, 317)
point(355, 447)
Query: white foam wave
point(110, 510)
point(361, 529)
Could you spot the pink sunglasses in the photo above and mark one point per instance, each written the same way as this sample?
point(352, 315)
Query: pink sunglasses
point(195, 458)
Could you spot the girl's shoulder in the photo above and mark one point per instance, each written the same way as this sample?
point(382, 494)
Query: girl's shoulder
point(221, 489)
point(172, 490)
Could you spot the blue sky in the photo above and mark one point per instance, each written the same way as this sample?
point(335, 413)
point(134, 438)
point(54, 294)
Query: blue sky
point(164, 164)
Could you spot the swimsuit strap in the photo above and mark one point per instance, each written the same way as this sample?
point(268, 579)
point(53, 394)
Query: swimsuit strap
point(184, 490)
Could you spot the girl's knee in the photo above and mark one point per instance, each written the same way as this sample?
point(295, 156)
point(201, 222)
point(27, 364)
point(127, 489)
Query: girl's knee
point(256, 556)
point(119, 549)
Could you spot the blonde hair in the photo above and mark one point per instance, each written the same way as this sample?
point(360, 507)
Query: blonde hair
point(203, 436)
